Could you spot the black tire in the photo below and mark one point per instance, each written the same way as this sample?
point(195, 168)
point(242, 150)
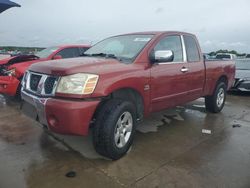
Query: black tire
point(105, 127)
point(211, 101)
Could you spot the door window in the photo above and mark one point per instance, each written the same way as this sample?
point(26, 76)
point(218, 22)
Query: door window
point(172, 43)
point(69, 53)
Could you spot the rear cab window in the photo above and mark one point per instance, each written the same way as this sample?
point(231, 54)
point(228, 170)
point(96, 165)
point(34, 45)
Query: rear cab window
point(192, 50)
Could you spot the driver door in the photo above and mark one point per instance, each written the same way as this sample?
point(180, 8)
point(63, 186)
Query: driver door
point(169, 84)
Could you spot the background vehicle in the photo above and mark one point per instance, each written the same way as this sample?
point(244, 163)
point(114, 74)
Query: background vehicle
point(13, 68)
point(225, 56)
point(206, 56)
point(248, 56)
point(121, 80)
point(242, 76)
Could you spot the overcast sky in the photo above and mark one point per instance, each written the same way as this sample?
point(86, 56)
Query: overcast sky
point(218, 24)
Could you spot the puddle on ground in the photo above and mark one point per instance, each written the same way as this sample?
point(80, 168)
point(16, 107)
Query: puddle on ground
point(178, 117)
point(149, 125)
point(196, 113)
point(199, 105)
point(247, 117)
point(155, 120)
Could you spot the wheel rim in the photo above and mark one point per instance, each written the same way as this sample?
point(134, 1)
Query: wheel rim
point(123, 129)
point(220, 97)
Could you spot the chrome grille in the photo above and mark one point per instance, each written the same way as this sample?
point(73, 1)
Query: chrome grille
point(34, 81)
point(49, 85)
point(39, 84)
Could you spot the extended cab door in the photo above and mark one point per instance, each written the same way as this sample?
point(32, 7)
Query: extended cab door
point(195, 68)
point(169, 80)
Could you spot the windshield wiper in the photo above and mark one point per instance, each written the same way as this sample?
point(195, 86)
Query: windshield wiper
point(103, 55)
point(86, 55)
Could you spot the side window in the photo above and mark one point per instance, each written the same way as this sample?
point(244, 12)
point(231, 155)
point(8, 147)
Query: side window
point(171, 43)
point(83, 49)
point(191, 49)
point(69, 53)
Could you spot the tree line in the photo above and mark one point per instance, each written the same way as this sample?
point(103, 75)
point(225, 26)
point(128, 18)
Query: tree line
point(227, 51)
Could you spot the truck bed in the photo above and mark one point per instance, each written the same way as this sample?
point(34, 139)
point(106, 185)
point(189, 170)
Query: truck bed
point(218, 67)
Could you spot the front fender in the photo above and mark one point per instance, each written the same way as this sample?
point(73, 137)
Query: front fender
point(137, 82)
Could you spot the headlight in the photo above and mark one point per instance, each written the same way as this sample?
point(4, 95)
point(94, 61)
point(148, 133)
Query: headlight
point(80, 83)
point(11, 72)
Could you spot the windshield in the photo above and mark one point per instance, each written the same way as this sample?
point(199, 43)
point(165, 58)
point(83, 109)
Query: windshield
point(125, 47)
point(243, 64)
point(46, 52)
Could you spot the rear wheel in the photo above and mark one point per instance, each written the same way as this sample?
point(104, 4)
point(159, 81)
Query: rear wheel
point(215, 102)
point(114, 128)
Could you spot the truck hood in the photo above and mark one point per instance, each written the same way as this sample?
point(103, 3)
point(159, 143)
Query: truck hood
point(240, 74)
point(81, 65)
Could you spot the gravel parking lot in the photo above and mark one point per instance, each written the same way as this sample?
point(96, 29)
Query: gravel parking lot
point(170, 150)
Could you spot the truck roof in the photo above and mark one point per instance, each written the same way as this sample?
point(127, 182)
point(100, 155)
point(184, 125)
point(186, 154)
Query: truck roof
point(73, 45)
point(159, 33)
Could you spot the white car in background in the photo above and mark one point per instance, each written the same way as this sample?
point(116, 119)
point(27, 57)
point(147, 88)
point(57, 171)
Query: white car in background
point(225, 56)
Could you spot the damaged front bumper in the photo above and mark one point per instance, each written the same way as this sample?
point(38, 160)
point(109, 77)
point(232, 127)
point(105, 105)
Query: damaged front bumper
point(9, 85)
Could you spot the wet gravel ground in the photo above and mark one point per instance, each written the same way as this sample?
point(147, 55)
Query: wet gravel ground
point(170, 150)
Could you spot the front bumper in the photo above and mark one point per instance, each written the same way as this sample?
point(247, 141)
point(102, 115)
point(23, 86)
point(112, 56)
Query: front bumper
point(9, 85)
point(63, 116)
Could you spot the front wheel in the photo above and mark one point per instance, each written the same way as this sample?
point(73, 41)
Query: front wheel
point(215, 102)
point(114, 128)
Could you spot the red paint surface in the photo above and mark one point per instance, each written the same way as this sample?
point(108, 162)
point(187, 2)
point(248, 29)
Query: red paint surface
point(168, 85)
point(8, 85)
point(70, 117)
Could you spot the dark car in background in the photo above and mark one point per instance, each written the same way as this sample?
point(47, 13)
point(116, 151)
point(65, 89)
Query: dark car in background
point(242, 75)
point(248, 56)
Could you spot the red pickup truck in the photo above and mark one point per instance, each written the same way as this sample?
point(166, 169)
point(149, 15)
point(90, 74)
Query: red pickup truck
point(12, 69)
point(121, 80)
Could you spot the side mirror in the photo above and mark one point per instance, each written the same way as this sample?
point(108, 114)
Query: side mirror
point(57, 57)
point(162, 56)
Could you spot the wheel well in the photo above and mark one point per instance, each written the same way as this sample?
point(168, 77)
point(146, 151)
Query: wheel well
point(223, 79)
point(131, 95)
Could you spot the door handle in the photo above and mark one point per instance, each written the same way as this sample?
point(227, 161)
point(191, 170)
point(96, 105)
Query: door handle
point(184, 69)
